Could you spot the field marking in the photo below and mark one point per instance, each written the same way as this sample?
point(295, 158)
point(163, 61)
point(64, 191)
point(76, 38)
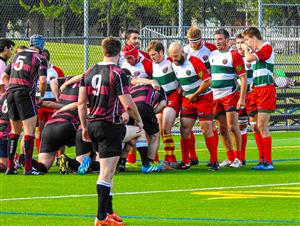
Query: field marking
point(217, 195)
point(150, 192)
point(285, 222)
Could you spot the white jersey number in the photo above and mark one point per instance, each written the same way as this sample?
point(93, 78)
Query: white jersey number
point(96, 84)
point(19, 63)
point(4, 107)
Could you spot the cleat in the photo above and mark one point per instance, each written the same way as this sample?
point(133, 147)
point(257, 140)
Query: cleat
point(11, 172)
point(63, 164)
point(121, 168)
point(34, 172)
point(104, 222)
point(85, 165)
point(259, 166)
point(114, 217)
point(194, 162)
point(225, 163)
point(116, 223)
point(209, 164)
point(183, 166)
point(236, 163)
point(268, 166)
point(151, 168)
point(243, 162)
point(214, 167)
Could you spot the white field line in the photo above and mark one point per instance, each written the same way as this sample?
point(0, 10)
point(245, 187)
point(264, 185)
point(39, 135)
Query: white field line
point(151, 192)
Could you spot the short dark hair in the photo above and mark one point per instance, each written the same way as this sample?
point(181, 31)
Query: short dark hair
point(111, 47)
point(46, 53)
point(239, 36)
point(251, 32)
point(156, 46)
point(222, 31)
point(129, 32)
point(5, 42)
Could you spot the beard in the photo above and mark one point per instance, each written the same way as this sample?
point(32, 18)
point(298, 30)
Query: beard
point(180, 61)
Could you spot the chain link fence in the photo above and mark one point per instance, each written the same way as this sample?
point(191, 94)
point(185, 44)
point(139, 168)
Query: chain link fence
point(75, 28)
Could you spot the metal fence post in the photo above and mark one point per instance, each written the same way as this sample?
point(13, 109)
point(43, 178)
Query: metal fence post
point(260, 16)
point(86, 34)
point(180, 19)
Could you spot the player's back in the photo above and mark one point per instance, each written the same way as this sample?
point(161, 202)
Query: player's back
point(25, 70)
point(104, 82)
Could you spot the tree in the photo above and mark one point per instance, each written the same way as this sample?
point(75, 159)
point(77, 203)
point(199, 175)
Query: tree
point(10, 11)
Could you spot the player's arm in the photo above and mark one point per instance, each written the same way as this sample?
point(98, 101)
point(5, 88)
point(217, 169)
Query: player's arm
point(68, 107)
point(42, 71)
point(203, 87)
point(152, 82)
point(243, 91)
point(82, 111)
point(6, 75)
point(51, 104)
point(160, 106)
point(239, 67)
point(5, 78)
point(202, 73)
point(71, 81)
point(55, 88)
point(43, 84)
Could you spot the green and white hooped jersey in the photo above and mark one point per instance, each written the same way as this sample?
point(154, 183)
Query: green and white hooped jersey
point(163, 73)
point(225, 69)
point(191, 74)
point(264, 66)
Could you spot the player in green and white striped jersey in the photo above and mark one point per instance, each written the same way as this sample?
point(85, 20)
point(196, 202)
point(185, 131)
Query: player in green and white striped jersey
point(163, 73)
point(226, 64)
point(264, 93)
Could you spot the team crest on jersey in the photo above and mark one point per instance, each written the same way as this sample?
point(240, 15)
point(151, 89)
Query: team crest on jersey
point(136, 73)
point(165, 70)
point(239, 67)
point(205, 58)
point(225, 61)
point(248, 66)
point(188, 72)
point(200, 74)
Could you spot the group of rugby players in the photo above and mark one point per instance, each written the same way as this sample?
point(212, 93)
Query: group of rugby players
point(131, 98)
point(198, 81)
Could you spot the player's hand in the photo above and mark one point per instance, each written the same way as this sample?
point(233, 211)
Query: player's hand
point(179, 90)
point(244, 47)
point(240, 104)
point(140, 125)
point(192, 97)
point(85, 135)
point(125, 118)
point(155, 85)
point(38, 102)
point(62, 88)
